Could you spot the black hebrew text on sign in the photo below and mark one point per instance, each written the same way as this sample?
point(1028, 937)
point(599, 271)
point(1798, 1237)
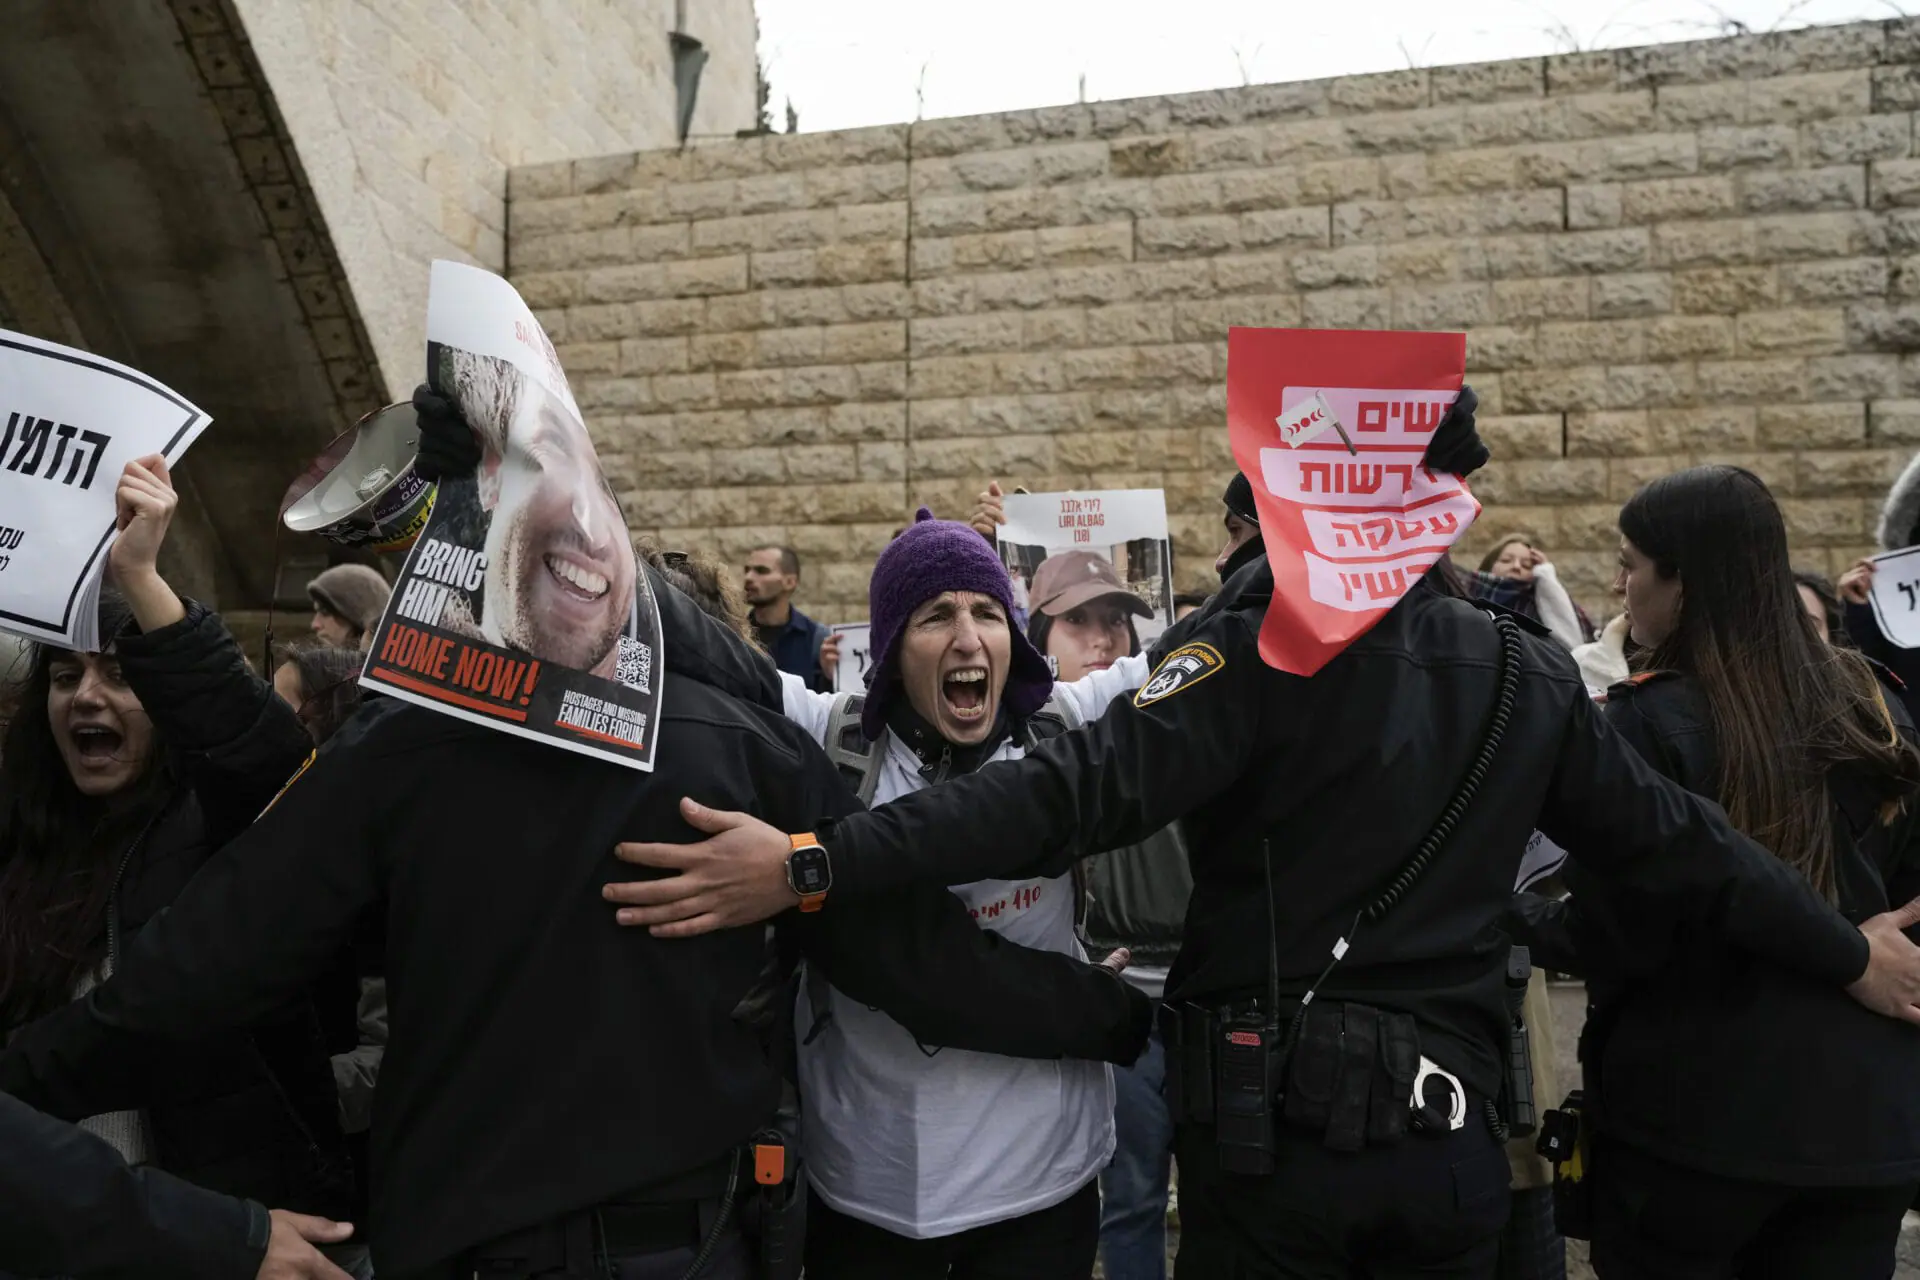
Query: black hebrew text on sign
point(77, 450)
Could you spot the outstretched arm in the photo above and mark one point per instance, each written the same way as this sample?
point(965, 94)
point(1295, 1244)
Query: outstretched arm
point(1186, 736)
point(1627, 824)
point(918, 956)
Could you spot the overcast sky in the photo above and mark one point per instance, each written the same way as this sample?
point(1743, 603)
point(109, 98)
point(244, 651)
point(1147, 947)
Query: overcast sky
point(846, 63)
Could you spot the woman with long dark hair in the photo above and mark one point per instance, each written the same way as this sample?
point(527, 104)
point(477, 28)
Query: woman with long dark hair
point(121, 772)
point(1748, 1122)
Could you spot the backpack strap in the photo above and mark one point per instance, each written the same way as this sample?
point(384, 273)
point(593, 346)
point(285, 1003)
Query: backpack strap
point(858, 760)
point(1057, 716)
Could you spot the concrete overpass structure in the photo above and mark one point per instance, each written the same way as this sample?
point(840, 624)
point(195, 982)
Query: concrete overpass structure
point(241, 198)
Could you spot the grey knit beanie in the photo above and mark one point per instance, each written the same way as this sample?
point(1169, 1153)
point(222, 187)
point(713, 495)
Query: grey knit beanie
point(353, 592)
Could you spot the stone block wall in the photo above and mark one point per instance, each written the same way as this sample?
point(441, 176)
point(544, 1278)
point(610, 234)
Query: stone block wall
point(406, 115)
point(1706, 251)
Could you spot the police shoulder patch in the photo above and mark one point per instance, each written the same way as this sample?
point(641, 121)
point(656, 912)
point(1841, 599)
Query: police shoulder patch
point(1185, 666)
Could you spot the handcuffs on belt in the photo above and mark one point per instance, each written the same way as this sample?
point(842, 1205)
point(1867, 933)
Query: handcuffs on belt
point(1429, 1117)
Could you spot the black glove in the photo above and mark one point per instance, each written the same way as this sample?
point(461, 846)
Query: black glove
point(1456, 447)
point(448, 448)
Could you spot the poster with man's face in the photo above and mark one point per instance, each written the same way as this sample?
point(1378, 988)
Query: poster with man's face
point(521, 606)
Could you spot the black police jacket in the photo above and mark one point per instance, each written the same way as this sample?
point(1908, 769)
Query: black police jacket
point(1340, 776)
point(542, 1059)
point(74, 1208)
point(1728, 1061)
point(248, 1108)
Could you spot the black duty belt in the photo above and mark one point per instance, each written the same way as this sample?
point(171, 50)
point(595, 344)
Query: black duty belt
point(1348, 1073)
point(663, 1217)
point(613, 1231)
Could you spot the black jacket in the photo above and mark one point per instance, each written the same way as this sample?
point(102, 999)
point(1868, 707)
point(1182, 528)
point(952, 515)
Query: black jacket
point(1137, 898)
point(1723, 1060)
point(542, 1058)
point(1864, 630)
point(1342, 775)
point(247, 1108)
point(73, 1207)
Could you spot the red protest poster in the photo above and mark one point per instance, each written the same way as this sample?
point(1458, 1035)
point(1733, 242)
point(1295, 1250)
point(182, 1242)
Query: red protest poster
point(1329, 426)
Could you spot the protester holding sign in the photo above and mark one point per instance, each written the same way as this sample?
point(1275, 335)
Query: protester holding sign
point(560, 1096)
point(1341, 849)
point(1715, 1150)
point(120, 775)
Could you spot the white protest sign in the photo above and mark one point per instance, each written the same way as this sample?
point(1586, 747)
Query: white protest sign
point(1101, 543)
point(70, 423)
point(856, 657)
point(1896, 596)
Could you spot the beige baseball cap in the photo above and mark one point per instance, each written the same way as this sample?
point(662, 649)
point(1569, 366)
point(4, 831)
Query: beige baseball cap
point(1066, 580)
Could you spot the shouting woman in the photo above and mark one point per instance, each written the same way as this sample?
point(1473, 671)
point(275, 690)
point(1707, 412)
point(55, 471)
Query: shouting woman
point(120, 774)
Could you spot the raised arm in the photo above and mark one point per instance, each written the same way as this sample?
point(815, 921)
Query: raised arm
point(235, 739)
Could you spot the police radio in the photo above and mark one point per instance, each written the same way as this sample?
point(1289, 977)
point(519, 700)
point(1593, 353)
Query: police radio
point(1250, 1066)
point(1521, 1118)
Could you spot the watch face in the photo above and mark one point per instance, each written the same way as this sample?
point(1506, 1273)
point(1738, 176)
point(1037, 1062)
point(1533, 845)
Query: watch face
point(807, 871)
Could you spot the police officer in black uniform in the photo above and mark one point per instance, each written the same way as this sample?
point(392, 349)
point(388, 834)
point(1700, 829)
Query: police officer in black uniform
point(1340, 999)
point(560, 1096)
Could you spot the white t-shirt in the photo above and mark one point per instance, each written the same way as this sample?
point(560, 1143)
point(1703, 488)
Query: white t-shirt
point(928, 1143)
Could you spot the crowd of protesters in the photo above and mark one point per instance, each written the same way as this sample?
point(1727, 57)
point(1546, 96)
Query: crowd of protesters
point(1715, 1152)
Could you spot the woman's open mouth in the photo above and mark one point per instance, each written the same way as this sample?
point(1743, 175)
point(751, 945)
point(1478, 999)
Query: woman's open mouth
point(965, 691)
point(96, 744)
point(576, 580)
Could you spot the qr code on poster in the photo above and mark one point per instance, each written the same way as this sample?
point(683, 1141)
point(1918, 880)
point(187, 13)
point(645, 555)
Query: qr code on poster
point(634, 665)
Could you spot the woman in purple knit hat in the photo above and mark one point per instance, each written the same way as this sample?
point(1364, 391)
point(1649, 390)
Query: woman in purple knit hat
point(933, 1162)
